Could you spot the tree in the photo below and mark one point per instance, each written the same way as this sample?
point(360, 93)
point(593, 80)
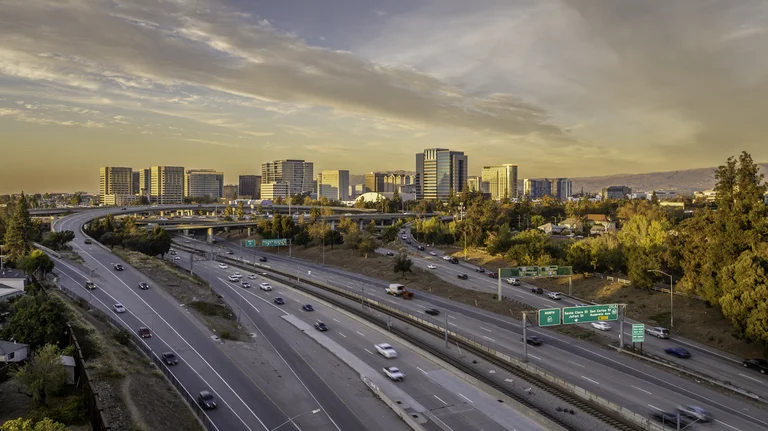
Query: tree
point(537, 221)
point(44, 375)
point(57, 240)
point(402, 263)
point(500, 241)
point(160, 242)
point(22, 424)
point(110, 239)
point(18, 231)
point(76, 199)
point(654, 198)
point(302, 238)
point(36, 320)
point(240, 211)
point(371, 227)
point(745, 298)
point(367, 245)
point(36, 262)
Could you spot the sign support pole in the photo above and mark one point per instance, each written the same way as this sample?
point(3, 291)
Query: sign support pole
point(570, 285)
point(622, 310)
point(525, 338)
point(446, 330)
point(498, 293)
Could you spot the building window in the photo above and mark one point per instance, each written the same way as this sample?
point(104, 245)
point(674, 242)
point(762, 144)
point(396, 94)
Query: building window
point(11, 355)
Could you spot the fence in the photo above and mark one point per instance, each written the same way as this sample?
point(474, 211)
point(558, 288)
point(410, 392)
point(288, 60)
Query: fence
point(657, 288)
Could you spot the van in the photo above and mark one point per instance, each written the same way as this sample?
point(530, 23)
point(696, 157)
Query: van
point(658, 331)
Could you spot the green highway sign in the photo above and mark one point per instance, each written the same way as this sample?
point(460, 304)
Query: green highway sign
point(274, 242)
point(638, 333)
point(590, 313)
point(549, 317)
point(250, 243)
point(535, 271)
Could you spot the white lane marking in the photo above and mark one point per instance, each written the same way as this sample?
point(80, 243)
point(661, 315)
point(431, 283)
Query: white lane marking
point(367, 350)
point(126, 325)
point(444, 424)
point(750, 378)
point(578, 364)
point(334, 319)
point(655, 408)
point(342, 334)
point(419, 305)
point(485, 329)
point(451, 317)
point(438, 398)
point(642, 390)
point(534, 357)
point(361, 334)
point(466, 398)
point(178, 335)
point(452, 324)
point(587, 378)
point(489, 339)
point(421, 370)
point(729, 426)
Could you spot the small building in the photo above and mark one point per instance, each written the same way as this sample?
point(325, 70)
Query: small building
point(601, 220)
point(616, 192)
point(551, 228)
point(572, 224)
point(12, 283)
point(69, 365)
point(11, 351)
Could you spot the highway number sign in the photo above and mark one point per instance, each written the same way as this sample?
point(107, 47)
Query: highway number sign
point(549, 317)
point(638, 333)
point(274, 242)
point(591, 313)
point(250, 243)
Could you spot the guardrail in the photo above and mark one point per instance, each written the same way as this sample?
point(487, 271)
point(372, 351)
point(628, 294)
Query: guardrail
point(605, 410)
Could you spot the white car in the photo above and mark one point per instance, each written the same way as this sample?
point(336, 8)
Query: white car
point(603, 326)
point(555, 295)
point(119, 308)
point(238, 275)
point(403, 237)
point(265, 286)
point(176, 257)
point(223, 266)
point(430, 266)
point(251, 277)
point(513, 281)
point(394, 373)
point(432, 253)
point(234, 279)
point(386, 350)
point(446, 257)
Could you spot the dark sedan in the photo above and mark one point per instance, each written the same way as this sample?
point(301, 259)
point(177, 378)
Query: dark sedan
point(118, 267)
point(533, 340)
point(670, 419)
point(756, 364)
point(678, 352)
point(478, 269)
point(493, 275)
point(320, 326)
point(206, 400)
point(432, 311)
point(462, 276)
point(279, 301)
point(262, 259)
point(170, 358)
point(389, 253)
point(308, 307)
point(143, 286)
point(537, 290)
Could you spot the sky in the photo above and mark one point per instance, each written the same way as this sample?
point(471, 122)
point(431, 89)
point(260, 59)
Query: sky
point(563, 88)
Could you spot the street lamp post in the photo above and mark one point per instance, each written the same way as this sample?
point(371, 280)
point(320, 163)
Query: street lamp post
point(290, 420)
point(671, 296)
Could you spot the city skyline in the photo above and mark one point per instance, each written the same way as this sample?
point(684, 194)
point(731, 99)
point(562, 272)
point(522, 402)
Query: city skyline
point(622, 87)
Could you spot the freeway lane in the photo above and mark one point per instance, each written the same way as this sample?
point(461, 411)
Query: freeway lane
point(609, 369)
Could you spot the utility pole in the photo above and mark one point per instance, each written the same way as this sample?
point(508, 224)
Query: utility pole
point(191, 262)
point(446, 330)
point(2, 257)
point(622, 310)
point(525, 336)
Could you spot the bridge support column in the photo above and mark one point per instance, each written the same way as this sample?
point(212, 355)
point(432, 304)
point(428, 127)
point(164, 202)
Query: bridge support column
point(333, 224)
point(54, 218)
point(186, 232)
point(361, 224)
point(162, 213)
point(210, 234)
point(250, 230)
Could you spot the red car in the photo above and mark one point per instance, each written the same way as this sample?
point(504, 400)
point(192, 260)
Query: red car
point(145, 332)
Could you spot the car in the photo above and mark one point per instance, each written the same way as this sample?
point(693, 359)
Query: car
point(698, 414)
point(279, 301)
point(206, 400)
point(394, 373)
point(230, 252)
point(118, 267)
point(446, 257)
point(513, 281)
point(389, 253)
point(169, 358)
point(581, 305)
point(265, 287)
point(537, 290)
point(533, 340)
point(672, 419)
point(603, 326)
point(493, 274)
point(403, 237)
point(432, 311)
point(420, 248)
point(658, 332)
point(90, 285)
point(238, 275)
point(246, 285)
point(407, 241)
point(234, 279)
point(223, 266)
point(123, 209)
point(454, 261)
point(307, 307)
point(88, 241)
point(756, 364)
point(555, 296)
point(119, 308)
point(386, 350)
point(176, 257)
point(432, 253)
point(143, 286)
point(320, 326)
point(431, 266)
point(478, 269)
point(251, 277)
point(262, 259)
point(173, 253)
point(462, 276)
point(144, 332)
point(678, 352)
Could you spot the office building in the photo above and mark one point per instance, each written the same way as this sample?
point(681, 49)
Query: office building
point(356, 190)
point(333, 184)
point(135, 177)
point(502, 181)
point(440, 172)
point(561, 188)
point(274, 190)
point(145, 183)
point(393, 181)
point(616, 192)
point(476, 184)
point(249, 187)
point(374, 181)
point(167, 185)
point(537, 189)
point(231, 191)
point(115, 181)
point(203, 183)
point(298, 174)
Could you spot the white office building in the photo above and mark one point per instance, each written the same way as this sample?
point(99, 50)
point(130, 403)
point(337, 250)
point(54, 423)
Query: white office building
point(167, 185)
point(115, 181)
point(298, 174)
point(502, 181)
point(274, 190)
point(201, 183)
point(333, 184)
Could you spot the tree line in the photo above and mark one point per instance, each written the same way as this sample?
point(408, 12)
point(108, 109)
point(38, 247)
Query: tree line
point(125, 233)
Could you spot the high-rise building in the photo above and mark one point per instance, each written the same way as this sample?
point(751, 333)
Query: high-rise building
point(374, 181)
point(115, 181)
point(393, 181)
point(167, 185)
point(203, 183)
point(145, 183)
point(502, 181)
point(135, 177)
point(440, 172)
point(561, 188)
point(616, 192)
point(333, 185)
point(537, 189)
point(250, 186)
point(230, 191)
point(274, 190)
point(298, 174)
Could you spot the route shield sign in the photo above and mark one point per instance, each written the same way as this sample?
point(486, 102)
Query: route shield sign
point(638, 333)
point(591, 313)
point(250, 243)
point(549, 317)
point(274, 242)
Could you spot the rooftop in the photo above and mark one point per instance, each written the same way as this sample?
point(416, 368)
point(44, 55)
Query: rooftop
point(12, 273)
point(10, 346)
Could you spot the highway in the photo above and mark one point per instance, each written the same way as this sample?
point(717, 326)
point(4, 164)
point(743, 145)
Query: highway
point(423, 377)
point(243, 403)
point(614, 376)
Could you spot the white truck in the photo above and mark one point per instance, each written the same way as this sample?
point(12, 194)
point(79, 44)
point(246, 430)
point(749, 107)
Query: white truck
point(513, 281)
point(395, 289)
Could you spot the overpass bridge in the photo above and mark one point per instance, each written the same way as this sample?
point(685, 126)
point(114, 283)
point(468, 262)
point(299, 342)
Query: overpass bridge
point(190, 209)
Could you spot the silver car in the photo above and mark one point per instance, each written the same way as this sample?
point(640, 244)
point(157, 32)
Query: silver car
point(658, 331)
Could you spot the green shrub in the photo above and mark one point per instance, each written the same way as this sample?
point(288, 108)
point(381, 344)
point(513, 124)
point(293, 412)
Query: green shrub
point(225, 335)
point(122, 336)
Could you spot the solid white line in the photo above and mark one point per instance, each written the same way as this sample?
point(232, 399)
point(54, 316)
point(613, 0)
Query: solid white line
point(489, 339)
point(342, 334)
point(421, 370)
point(642, 390)
point(451, 317)
point(367, 350)
point(419, 305)
point(439, 399)
point(485, 329)
point(361, 334)
point(334, 319)
point(750, 378)
point(444, 424)
point(587, 378)
point(655, 408)
point(578, 364)
point(178, 335)
point(452, 324)
point(466, 398)
point(534, 357)
point(729, 426)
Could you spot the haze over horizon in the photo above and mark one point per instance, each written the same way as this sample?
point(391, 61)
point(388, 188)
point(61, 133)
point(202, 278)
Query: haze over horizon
point(620, 87)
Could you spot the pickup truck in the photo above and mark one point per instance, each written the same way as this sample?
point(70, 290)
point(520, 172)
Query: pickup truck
point(395, 289)
point(513, 281)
